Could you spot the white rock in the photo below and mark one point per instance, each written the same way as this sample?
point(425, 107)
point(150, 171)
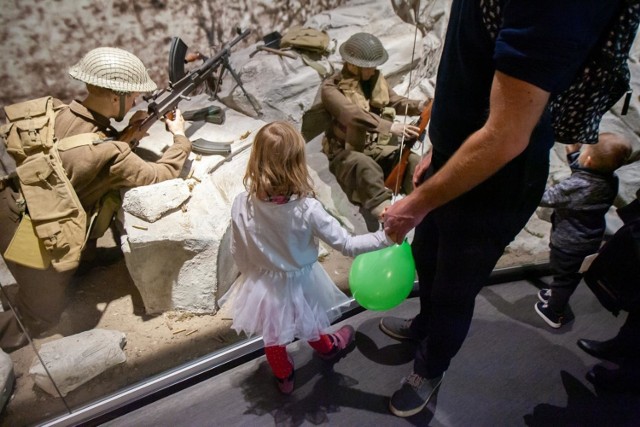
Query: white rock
point(74, 360)
point(151, 202)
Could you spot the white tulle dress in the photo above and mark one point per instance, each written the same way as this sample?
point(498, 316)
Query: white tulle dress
point(283, 292)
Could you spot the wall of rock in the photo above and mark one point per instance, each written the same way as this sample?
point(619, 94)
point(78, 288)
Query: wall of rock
point(41, 39)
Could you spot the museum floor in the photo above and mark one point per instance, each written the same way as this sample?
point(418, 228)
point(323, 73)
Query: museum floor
point(512, 370)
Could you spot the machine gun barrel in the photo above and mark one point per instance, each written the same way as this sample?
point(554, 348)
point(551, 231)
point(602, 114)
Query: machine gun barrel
point(166, 100)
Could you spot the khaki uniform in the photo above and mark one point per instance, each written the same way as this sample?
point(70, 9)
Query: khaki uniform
point(94, 171)
point(358, 144)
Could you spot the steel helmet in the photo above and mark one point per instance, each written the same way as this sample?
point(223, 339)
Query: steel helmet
point(363, 50)
point(115, 69)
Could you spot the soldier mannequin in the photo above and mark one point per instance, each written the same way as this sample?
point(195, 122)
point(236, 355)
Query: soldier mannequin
point(114, 79)
point(359, 143)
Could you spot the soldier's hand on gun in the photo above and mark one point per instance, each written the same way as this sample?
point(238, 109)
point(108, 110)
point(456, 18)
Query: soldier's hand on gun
point(409, 131)
point(174, 123)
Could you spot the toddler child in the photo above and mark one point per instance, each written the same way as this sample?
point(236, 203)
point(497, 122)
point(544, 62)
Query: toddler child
point(580, 203)
point(284, 293)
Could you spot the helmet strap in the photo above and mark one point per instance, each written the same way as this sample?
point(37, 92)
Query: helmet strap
point(121, 111)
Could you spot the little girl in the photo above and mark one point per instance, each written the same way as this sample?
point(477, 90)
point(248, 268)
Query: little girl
point(284, 293)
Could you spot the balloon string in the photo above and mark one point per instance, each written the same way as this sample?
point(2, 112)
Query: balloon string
point(396, 190)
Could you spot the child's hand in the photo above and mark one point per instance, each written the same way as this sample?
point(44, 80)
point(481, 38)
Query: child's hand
point(384, 211)
point(572, 148)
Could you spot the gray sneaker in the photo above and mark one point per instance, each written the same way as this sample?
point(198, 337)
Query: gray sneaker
point(414, 394)
point(398, 328)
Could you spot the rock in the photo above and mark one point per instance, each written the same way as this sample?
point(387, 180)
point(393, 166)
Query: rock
point(74, 360)
point(7, 379)
point(167, 196)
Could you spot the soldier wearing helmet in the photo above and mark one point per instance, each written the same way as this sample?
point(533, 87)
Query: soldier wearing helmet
point(361, 143)
point(97, 169)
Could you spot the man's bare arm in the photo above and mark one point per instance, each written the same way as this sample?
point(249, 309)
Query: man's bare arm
point(515, 109)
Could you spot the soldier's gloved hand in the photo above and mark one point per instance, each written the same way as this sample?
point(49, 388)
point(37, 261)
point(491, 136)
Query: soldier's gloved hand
point(409, 131)
point(175, 125)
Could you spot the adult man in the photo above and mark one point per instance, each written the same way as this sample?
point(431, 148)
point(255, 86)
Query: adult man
point(614, 276)
point(358, 143)
point(491, 134)
point(114, 79)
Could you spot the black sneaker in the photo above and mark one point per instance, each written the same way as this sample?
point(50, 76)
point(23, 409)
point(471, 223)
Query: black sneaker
point(544, 295)
point(398, 328)
point(414, 394)
point(553, 319)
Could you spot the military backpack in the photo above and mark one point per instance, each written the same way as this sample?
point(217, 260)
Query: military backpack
point(53, 211)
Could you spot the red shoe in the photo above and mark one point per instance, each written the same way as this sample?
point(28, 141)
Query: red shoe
point(285, 385)
point(342, 338)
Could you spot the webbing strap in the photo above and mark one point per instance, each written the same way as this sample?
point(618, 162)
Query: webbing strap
point(77, 141)
point(316, 66)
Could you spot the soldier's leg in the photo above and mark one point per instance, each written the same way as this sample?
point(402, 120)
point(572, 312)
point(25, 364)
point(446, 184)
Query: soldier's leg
point(41, 296)
point(361, 178)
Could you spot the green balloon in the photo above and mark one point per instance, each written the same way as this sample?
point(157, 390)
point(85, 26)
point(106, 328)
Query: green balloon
point(382, 279)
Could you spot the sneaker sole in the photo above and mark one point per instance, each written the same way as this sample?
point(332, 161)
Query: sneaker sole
point(546, 319)
point(393, 334)
point(411, 412)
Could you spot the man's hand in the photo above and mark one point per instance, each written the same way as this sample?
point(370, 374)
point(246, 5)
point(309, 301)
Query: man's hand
point(402, 217)
point(175, 125)
point(409, 131)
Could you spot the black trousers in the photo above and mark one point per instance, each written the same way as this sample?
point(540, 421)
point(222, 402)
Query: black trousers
point(457, 246)
point(566, 278)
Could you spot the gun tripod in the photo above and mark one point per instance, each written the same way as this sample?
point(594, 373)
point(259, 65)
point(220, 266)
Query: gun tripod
point(226, 66)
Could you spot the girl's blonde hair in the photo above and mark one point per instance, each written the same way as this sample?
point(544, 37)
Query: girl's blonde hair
point(277, 165)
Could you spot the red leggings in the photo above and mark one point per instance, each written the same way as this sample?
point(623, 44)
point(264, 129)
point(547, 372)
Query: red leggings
point(279, 360)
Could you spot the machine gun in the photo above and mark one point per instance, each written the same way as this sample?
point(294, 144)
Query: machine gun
point(164, 101)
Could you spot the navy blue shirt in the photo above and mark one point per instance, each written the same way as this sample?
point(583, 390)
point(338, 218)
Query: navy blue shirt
point(543, 42)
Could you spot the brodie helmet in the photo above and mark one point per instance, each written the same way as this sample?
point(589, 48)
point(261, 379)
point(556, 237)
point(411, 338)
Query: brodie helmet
point(115, 69)
point(364, 50)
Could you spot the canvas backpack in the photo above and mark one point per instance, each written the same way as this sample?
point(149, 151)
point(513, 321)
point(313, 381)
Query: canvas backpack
point(315, 120)
point(307, 39)
point(53, 213)
point(311, 44)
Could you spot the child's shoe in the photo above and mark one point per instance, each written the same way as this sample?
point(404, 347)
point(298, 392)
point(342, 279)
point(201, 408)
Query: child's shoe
point(553, 319)
point(342, 338)
point(285, 385)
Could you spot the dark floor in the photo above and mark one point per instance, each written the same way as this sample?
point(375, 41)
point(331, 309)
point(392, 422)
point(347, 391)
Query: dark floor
point(512, 370)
